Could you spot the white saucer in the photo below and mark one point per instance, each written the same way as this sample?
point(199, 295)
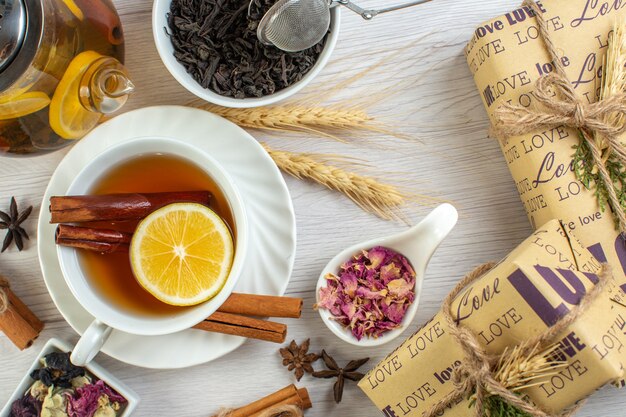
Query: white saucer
point(271, 217)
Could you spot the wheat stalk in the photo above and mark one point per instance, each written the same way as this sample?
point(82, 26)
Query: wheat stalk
point(518, 368)
point(325, 121)
point(309, 115)
point(384, 200)
point(523, 366)
point(614, 78)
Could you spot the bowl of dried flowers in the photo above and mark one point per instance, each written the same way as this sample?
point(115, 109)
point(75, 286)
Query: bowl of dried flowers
point(53, 386)
point(213, 51)
point(368, 294)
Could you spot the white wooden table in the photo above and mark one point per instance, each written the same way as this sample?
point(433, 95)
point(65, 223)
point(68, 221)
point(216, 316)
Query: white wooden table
point(430, 96)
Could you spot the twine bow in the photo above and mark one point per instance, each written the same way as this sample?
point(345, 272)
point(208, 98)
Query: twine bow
point(475, 375)
point(562, 107)
point(4, 298)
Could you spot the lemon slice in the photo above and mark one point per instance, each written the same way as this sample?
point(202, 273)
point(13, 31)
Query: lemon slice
point(74, 9)
point(15, 92)
point(68, 117)
point(23, 105)
point(182, 254)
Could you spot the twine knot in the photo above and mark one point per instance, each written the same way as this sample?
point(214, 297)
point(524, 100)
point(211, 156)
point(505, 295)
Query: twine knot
point(579, 115)
point(600, 123)
point(475, 376)
point(560, 106)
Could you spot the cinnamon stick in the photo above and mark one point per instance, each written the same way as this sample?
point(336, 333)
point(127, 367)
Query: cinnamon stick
point(117, 207)
point(296, 400)
point(262, 305)
point(99, 240)
point(303, 393)
point(17, 321)
point(287, 396)
point(109, 241)
point(244, 326)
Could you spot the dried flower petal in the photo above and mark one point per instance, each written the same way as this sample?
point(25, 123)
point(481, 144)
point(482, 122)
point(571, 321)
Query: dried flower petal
point(26, 406)
point(372, 292)
point(86, 401)
point(57, 370)
point(54, 404)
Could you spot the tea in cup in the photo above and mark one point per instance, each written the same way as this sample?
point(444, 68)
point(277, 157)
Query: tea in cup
point(115, 287)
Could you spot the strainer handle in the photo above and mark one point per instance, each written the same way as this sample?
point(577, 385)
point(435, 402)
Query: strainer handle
point(369, 14)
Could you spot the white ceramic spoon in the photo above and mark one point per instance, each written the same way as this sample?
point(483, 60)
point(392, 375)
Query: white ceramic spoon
point(418, 245)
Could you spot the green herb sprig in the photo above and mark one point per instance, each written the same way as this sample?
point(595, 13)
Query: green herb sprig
point(588, 175)
point(496, 407)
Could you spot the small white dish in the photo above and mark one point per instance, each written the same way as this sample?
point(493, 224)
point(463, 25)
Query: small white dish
point(56, 345)
point(418, 244)
point(161, 8)
point(271, 222)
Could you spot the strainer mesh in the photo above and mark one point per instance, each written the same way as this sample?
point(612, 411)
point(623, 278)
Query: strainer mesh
point(295, 25)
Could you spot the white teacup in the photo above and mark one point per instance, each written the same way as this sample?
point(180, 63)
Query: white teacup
point(109, 315)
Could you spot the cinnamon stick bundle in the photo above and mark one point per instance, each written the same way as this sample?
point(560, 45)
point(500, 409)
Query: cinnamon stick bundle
point(17, 321)
point(243, 326)
point(99, 240)
point(287, 396)
point(117, 207)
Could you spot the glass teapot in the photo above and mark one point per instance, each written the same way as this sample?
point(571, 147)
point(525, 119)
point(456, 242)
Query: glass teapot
point(61, 72)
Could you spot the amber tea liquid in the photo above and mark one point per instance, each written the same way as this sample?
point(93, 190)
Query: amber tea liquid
point(111, 274)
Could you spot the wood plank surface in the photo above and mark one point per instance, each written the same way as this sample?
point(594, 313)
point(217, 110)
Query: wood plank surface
point(424, 89)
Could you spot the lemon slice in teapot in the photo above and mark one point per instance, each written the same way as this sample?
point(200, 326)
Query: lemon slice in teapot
point(74, 9)
point(23, 104)
point(68, 116)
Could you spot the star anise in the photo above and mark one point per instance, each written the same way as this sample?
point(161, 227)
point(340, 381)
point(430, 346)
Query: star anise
point(297, 357)
point(334, 371)
point(12, 223)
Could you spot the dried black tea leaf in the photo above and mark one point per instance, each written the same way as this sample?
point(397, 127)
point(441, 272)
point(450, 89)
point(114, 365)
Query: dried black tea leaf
point(216, 42)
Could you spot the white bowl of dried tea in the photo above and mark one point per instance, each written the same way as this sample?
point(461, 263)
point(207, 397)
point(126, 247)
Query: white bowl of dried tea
point(215, 54)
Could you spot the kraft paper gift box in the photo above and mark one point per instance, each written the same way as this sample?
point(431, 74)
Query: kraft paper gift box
point(506, 57)
point(528, 291)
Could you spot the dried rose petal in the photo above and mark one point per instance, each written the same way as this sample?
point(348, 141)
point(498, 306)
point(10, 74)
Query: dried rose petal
point(26, 406)
point(372, 292)
point(400, 288)
point(86, 401)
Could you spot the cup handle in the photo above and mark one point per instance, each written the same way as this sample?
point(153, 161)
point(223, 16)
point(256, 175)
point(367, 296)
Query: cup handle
point(90, 343)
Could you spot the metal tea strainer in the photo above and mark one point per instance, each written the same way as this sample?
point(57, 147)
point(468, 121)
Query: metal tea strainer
point(295, 25)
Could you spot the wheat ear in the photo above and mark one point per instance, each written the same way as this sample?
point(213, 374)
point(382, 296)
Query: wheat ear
point(384, 200)
point(524, 366)
point(614, 80)
point(327, 121)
